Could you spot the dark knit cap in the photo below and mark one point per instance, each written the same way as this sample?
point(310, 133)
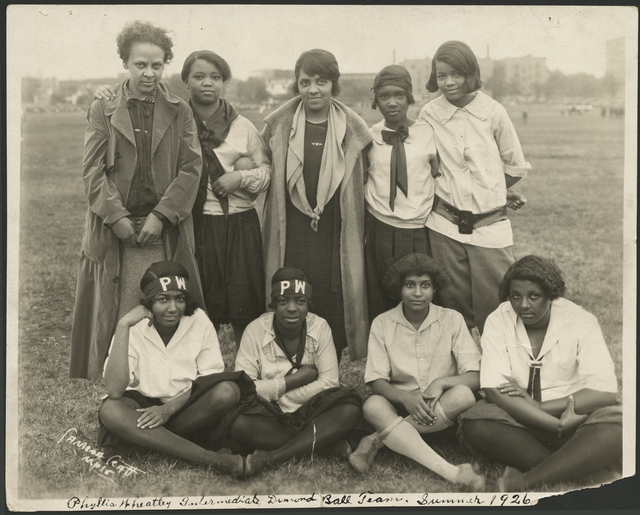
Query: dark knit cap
point(394, 75)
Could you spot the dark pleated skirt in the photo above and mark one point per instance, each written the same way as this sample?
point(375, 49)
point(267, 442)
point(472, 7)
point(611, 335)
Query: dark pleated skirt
point(210, 438)
point(299, 420)
point(318, 254)
point(384, 245)
point(229, 254)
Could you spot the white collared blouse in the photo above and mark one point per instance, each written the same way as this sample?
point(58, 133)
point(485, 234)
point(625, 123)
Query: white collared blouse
point(411, 360)
point(409, 212)
point(574, 354)
point(477, 145)
point(164, 372)
point(266, 363)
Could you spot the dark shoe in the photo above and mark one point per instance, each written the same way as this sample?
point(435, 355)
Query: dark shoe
point(362, 458)
point(227, 463)
point(341, 449)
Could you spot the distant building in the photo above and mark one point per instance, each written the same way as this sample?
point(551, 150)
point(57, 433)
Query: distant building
point(45, 91)
point(615, 59)
point(523, 73)
point(420, 70)
point(278, 82)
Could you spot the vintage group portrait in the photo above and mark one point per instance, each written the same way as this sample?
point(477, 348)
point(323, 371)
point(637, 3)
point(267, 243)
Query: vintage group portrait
point(302, 256)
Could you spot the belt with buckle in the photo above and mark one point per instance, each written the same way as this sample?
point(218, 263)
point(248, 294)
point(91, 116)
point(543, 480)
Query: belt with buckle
point(466, 220)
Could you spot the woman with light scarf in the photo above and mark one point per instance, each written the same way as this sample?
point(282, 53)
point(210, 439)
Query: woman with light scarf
point(314, 209)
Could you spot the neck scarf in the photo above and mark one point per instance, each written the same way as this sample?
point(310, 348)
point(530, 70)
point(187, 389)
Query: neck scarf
point(332, 166)
point(533, 388)
point(211, 135)
point(301, 345)
point(398, 175)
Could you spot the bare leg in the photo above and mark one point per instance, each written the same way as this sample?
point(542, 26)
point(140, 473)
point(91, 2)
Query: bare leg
point(207, 410)
point(120, 416)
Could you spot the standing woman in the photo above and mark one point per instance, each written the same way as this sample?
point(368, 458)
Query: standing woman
point(140, 210)
point(402, 162)
point(314, 209)
point(227, 229)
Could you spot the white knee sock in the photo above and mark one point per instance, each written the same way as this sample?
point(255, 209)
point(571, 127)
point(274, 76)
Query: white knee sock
point(405, 439)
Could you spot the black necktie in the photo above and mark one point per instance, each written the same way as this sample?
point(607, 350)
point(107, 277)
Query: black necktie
point(533, 388)
point(398, 175)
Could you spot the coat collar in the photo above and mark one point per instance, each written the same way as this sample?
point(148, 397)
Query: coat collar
point(165, 110)
point(481, 107)
point(357, 130)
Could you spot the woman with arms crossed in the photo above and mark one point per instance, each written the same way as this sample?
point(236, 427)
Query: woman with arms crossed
point(551, 410)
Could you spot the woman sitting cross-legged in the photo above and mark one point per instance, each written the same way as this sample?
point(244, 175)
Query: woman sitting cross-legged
point(422, 367)
point(164, 377)
point(290, 355)
point(551, 410)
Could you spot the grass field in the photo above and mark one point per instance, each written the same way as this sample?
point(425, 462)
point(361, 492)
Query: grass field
point(574, 214)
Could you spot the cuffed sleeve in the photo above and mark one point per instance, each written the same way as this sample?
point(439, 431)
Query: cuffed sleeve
point(495, 357)
point(595, 366)
point(510, 149)
point(378, 365)
point(209, 360)
point(256, 180)
point(464, 348)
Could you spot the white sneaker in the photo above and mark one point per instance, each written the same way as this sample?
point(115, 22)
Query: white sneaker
point(362, 458)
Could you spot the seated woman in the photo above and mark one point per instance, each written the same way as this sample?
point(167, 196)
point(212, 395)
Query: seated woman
point(164, 376)
point(290, 355)
point(551, 408)
point(422, 367)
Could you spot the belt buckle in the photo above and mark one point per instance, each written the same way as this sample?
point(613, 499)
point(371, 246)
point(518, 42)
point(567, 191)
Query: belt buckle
point(465, 222)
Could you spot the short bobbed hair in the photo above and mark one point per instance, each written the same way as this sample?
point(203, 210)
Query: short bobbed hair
point(414, 264)
point(211, 58)
point(143, 32)
point(462, 58)
point(536, 269)
point(318, 62)
point(166, 269)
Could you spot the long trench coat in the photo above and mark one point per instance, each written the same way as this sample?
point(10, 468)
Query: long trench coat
point(274, 232)
point(176, 168)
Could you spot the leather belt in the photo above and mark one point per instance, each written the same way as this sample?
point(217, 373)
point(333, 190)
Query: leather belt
point(466, 220)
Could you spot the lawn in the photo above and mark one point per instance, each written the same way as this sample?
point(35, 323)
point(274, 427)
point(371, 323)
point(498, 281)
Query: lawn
point(574, 214)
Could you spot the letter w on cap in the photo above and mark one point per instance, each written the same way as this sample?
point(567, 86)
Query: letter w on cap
point(181, 283)
point(300, 285)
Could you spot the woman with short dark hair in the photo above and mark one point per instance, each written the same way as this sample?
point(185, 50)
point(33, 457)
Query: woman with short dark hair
point(314, 209)
point(550, 412)
point(142, 165)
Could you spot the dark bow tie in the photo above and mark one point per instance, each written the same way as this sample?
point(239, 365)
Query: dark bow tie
point(398, 176)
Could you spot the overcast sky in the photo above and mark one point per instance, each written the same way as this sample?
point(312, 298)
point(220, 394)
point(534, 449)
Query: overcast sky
point(77, 42)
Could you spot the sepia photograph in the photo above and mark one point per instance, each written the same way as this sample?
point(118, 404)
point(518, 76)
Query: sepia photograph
point(304, 256)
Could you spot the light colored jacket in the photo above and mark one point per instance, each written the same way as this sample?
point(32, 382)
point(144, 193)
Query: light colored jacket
point(274, 231)
point(176, 166)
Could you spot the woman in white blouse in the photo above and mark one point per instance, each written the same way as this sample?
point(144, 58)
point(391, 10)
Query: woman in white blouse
point(290, 355)
point(550, 414)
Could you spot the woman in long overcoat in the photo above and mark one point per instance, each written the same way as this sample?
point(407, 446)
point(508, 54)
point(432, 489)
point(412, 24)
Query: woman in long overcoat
point(175, 167)
point(325, 239)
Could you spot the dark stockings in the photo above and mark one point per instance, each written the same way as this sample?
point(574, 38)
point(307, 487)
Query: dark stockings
point(594, 448)
point(259, 432)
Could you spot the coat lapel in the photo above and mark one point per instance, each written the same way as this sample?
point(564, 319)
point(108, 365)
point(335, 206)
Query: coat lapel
point(163, 115)
point(120, 118)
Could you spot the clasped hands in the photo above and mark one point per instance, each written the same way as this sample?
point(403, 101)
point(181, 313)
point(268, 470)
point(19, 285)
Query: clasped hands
point(421, 405)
